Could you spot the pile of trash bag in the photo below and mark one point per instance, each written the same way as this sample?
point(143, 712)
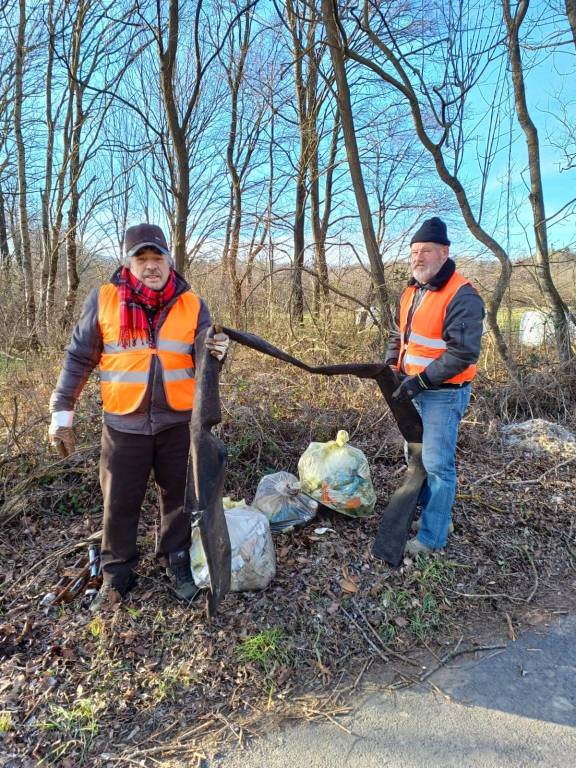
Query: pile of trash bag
point(280, 498)
point(335, 474)
point(253, 558)
point(338, 476)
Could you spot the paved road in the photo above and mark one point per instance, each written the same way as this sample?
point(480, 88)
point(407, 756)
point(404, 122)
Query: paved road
point(514, 709)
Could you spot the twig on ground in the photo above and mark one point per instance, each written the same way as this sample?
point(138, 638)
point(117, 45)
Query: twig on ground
point(385, 648)
point(536, 579)
point(489, 595)
point(364, 635)
point(570, 551)
point(238, 735)
point(362, 673)
point(458, 652)
point(492, 475)
point(331, 719)
point(544, 474)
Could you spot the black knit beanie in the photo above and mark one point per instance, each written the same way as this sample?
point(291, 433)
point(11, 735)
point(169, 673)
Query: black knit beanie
point(432, 231)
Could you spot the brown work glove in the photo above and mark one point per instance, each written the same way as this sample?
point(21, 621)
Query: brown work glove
point(63, 439)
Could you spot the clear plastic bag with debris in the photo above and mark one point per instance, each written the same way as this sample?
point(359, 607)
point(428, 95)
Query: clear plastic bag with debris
point(337, 475)
point(279, 496)
point(253, 558)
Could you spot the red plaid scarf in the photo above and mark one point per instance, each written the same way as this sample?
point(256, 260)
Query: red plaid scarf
point(135, 299)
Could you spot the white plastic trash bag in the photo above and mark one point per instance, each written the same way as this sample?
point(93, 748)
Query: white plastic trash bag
point(280, 498)
point(253, 555)
point(337, 475)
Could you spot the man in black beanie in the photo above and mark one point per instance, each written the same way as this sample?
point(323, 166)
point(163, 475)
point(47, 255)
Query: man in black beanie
point(435, 349)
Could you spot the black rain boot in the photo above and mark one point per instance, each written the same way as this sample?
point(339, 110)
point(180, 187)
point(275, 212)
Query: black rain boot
point(181, 573)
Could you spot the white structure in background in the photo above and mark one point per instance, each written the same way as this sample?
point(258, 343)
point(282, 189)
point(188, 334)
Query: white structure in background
point(536, 328)
point(365, 319)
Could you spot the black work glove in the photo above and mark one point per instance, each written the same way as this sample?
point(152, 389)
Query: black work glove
point(410, 387)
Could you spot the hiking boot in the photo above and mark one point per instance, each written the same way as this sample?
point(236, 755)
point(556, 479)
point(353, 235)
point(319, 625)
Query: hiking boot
point(417, 524)
point(415, 547)
point(180, 574)
point(110, 595)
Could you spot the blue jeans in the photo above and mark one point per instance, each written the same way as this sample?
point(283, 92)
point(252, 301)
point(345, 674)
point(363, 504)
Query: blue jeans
point(441, 411)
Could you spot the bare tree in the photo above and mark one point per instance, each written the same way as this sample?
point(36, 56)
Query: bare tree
point(181, 110)
point(45, 194)
point(436, 114)
point(247, 113)
point(556, 304)
point(571, 14)
point(312, 92)
point(338, 48)
point(24, 231)
point(6, 121)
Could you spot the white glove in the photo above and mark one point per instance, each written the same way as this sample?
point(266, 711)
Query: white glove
point(61, 434)
point(218, 345)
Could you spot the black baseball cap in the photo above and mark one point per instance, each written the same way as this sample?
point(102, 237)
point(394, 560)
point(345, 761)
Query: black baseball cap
point(145, 236)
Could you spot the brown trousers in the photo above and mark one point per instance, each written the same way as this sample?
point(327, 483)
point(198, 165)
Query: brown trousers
point(126, 462)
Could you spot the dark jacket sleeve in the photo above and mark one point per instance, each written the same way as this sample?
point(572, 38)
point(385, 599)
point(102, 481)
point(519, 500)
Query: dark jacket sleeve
point(462, 332)
point(204, 319)
point(81, 357)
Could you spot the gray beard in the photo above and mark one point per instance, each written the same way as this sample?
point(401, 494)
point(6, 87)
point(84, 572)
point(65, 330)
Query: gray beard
point(422, 275)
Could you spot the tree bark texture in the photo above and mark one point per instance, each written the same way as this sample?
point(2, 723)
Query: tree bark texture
point(329, 13)
point(25, 248)
point(556, 304)
point(571, 14)
point(4, 250)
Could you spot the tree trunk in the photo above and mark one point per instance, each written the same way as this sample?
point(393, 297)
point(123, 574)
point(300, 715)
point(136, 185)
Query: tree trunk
point(321, 291)
point(571, 13)
point(25, 248)
point(297, 303)
point(47, 191)
point(353, 156)
point(320, 223)
point(4, 251)
point(72, 279)
point(178, 136)
point(557, 306)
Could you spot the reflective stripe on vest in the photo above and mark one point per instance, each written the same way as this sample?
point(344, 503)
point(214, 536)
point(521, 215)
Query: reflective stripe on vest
point(125, 372)
point(425, 342)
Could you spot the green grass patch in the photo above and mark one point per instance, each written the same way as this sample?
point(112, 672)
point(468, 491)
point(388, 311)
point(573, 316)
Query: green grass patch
point(405, 610)
point(433, 571)
point(76, 726)
point(166, 685)
point(79, 720)
point(6, 722)
point(268, 649)
point(426, 618)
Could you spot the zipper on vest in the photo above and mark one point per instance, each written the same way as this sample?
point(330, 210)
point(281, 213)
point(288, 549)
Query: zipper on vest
point(417, 299)
point(152, 335)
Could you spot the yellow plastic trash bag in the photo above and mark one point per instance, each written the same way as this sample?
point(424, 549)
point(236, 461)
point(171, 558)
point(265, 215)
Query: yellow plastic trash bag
point(337, 475)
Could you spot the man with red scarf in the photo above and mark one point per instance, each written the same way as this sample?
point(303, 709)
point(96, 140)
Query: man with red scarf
point(139, 329)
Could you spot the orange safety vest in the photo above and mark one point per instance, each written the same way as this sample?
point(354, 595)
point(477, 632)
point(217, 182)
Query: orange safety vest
point(124, 372)
point(425, 343)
